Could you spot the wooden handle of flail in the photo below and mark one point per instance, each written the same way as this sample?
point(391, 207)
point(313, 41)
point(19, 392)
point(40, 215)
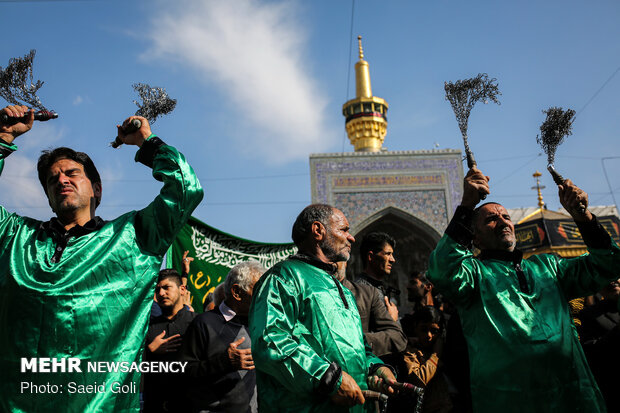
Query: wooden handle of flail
point(131, 127)
point(374, 395)
point(559, 180)
point(41, 116)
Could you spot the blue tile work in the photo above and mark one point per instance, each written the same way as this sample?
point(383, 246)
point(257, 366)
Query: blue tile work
point(429, 206)
point(426, 184)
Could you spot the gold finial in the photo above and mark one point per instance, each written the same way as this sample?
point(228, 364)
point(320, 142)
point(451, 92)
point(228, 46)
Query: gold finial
point(359, 42)
point(362, 75)
point(539, 188)
point(366, 115)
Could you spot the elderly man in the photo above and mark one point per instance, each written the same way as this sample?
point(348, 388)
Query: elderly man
point(217, 347)
point(523, 348)
point(78, 286)
point(306, 333)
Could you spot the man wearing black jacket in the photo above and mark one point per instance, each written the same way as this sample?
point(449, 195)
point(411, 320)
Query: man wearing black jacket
point(221, 376)
point(163, 341)
point(379, 315)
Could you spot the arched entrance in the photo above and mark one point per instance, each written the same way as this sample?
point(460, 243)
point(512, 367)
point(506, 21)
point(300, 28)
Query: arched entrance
point(414, 242)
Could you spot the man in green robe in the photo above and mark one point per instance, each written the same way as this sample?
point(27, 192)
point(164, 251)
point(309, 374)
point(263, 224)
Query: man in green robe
point(307, 340)
point(524, 351)
point(76, 291)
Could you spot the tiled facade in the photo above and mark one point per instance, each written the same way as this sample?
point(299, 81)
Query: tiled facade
point(425, 184)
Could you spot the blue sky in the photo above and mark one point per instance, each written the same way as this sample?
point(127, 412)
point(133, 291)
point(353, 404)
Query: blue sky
point(260, 85)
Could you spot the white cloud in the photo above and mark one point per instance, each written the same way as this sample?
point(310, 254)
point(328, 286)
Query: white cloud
point(19, 185)
point(77, 100)
point(20, 188)
point(254, 53)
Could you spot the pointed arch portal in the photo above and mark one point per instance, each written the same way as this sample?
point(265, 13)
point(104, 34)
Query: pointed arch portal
point(414, 242)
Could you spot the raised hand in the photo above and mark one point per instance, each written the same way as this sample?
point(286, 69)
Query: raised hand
point(129, 136)
point(8, 133)
point(574, 200)
point(475, 185)
point(186, 262)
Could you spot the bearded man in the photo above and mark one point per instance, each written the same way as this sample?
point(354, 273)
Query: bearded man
point(307, 340)
point(523, 348)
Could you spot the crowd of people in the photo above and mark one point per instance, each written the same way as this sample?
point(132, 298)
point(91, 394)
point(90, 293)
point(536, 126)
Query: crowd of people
point(489, 331)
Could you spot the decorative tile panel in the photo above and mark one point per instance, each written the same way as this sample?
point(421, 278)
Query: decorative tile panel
point(426, 184)
point(428, 206)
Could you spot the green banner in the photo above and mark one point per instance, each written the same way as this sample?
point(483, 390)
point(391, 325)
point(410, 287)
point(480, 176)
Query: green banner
point(215, 253)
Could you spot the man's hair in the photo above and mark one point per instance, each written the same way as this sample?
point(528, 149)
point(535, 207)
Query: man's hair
point(420, 275)
point(428, 314)
point(375, 242)
point(170, 273)
point(207, 300)
point(218, 295)
point(48, 157)
point(303, 224)
point(243, 274)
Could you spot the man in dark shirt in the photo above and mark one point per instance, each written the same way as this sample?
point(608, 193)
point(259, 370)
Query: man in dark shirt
point(217, 347)
point(377, 252)
point(164, 337)
point(379, 315)
point(418, 293)
point(384, 335)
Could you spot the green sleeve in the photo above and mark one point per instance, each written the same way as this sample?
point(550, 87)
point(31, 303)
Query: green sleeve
point(588, 273)
point(452, 270)
point(281, 347)
point(6, 224)
point(158, 223)
point(5, 150)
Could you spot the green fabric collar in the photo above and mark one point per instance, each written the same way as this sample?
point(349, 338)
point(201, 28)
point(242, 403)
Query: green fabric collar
point(329, 268)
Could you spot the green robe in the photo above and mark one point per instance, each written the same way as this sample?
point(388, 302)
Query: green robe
point(524, 351)
point(94, 303)
point(299, 325)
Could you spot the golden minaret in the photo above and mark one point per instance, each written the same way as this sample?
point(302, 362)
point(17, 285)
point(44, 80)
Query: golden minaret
point(539, 188)
point(366, 115)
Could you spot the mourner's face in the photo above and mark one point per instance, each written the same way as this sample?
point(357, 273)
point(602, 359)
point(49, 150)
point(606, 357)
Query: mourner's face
point(68, 187)
point(426, 333)
point(494, 229)
point(415, 289)
point(168, 293)
point(337, 242)
point(381, 261)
